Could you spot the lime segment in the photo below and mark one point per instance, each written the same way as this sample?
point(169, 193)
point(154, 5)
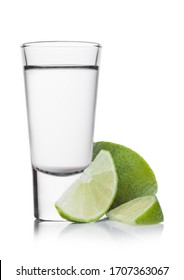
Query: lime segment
point(90, 196)
point(140, 211)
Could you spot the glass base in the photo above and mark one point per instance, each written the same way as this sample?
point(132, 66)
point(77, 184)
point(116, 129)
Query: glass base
point(47, 190)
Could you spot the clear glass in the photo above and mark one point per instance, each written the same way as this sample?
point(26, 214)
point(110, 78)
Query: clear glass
point(61, 87)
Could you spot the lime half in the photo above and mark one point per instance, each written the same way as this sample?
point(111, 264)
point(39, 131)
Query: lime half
point(135, 176)
point(90, 196)
point(140, 211)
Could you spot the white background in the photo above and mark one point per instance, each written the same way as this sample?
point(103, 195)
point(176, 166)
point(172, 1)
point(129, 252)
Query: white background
point(140, 105)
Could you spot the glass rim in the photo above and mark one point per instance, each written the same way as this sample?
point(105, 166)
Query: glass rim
point(60, 44)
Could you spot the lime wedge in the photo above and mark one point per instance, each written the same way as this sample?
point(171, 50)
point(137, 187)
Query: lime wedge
point(135, 176)
point(140, 211)
point(90, 196)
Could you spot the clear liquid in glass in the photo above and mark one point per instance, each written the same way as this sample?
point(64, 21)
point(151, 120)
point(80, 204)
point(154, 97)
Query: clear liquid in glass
point(61, 104)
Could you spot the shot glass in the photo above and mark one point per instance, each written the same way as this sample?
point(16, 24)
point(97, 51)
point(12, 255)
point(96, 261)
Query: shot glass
point(61, 80)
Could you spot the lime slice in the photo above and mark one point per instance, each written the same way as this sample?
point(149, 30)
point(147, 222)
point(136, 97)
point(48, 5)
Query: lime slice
point(135, 176)
point(140, 211)
point(90, 196)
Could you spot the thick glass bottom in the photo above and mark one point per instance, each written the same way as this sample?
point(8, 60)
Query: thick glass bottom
point(47, 190)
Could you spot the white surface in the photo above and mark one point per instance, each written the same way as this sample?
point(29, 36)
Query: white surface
point(140, 105)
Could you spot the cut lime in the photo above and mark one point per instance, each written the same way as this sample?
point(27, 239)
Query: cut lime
point(140, 211)
point(90, 196)
point(135, 177)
